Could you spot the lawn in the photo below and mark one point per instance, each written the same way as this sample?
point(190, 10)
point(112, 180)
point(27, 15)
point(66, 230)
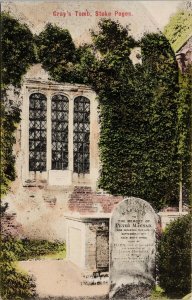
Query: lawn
point(42, 249)
point(39, 249)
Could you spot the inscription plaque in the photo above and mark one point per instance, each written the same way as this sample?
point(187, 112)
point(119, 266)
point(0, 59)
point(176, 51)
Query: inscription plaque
point(132, 250)
point(102, 245)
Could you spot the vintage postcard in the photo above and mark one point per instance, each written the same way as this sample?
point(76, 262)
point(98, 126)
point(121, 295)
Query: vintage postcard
point(95, 150)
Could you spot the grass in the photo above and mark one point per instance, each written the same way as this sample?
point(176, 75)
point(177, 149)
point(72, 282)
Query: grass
point(38, 249)
point(56, 255)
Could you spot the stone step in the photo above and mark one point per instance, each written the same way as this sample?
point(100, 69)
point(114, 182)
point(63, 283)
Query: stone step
point(94, 278)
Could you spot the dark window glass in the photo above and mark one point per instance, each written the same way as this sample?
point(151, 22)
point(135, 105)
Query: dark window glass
point(37, 132)
point(59, 117)
point(81, 133)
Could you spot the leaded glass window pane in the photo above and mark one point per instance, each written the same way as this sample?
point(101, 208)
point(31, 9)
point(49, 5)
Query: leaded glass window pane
point(81, 133)
point(59, 117)
point(37, 132)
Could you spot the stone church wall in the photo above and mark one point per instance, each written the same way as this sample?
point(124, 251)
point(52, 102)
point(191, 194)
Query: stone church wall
point(39, 200)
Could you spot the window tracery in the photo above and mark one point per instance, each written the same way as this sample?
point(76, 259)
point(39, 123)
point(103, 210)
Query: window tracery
point(81, 133)
point(59, 118)
point(37, 132)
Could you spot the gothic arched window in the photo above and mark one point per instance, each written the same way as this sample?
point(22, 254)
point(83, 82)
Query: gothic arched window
point(59, 118)
point(37, 132)
point(81, 133)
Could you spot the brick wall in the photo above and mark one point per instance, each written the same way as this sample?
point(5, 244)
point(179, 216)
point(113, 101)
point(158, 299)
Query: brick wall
point(36, 206)
point(10, 227)
point(84, 200)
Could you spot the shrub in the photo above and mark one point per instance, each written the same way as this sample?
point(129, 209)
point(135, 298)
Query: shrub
point(18, 54)
point(18, 50)
point(26, 249)
point(14, 284)
point(174, 261)
point(34, 249)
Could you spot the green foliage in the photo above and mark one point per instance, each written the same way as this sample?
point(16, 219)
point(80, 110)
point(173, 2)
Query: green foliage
point(185, 134)
point(159, 94)
point(138, 110)
point(13, 283)
point(112, 36)
point(81, 70)
point(178, 30)
point(138, 106)
point(17, 55)
point(34, 249)
point(60, 57)
point(9, 120)
point(158, 294)
point(26, 249)
point(56, 51)
point(17, 49)
point(175, 257)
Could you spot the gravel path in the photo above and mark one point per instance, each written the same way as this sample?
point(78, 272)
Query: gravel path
point(61, 280)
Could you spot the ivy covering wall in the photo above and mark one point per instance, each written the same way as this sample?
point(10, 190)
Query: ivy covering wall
point(17, 55)
point(139, 105)
point(138, 108)
point(178, 32)
point(185, 134)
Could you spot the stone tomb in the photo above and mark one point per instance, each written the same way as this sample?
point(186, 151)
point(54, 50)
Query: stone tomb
point(88, 241)
point(132, 250)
